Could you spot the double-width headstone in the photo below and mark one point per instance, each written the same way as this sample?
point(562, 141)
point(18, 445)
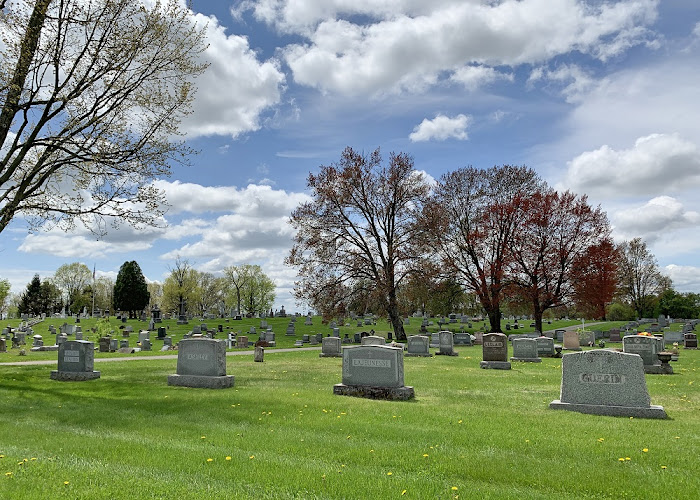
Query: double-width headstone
point(446, 346)
point(525, 350)
point(76, 360)
point(201, 362)
point(375, 372)
point(647, 348)
point(418, 345)
point(373, 340)
point(672, 336)
point(571, 341)
point(462, 339)
point(586, 338)
point(545, 347)
point(605, 382)
point(330, 348)
point(495, 352)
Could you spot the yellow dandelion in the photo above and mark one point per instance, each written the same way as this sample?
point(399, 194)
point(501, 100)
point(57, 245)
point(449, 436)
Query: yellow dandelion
point(621, 459)
point(663, 466)
point(210, 459)
point(628, 458)
point(203, 437)
point(371, 451)
point(252, 457)
point(8, 474)
point(454, 488)
point(645, 450)
point(33, 459)
point(459, 422)
point(66, 483)
point(347, 437)
point(677, 437)
point(389, 473)
point(2, 456)
point(527, 440)
point(425, 454)
point(403, 492)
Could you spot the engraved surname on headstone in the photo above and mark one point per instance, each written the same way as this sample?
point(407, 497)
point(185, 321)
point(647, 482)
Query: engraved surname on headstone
point(374, 371)
point(495, 351)
point(75, 361)
point(201, 362)
point(418, 345)
point(525, 349)
point(330, 347)
point(604, 382)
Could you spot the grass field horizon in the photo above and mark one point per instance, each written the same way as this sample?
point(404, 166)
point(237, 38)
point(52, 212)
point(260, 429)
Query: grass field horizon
point(281, 433)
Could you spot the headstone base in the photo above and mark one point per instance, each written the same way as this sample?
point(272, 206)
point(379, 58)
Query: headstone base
point(527, 360)
point(662, 369)
point(201, 381)
point(453, 353)
point(45, 348)
point(338, 355)
point(651, 411)
point(416, 355)
point(573, 349)
point(495, 365)
point(361, 391)
point(74, 376)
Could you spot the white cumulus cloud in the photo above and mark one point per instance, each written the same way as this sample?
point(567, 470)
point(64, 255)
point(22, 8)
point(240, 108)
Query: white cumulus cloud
point(650, 221)
point(657, 163)
point(441, 128)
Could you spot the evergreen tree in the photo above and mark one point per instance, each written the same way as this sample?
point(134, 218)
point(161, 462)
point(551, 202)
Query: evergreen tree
point(30, 301)
point(130, 290)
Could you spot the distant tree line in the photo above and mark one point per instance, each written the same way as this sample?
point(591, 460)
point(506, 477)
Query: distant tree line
point(381, 238)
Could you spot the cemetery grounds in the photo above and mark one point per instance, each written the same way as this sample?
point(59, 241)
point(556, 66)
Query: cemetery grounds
point(281, 433)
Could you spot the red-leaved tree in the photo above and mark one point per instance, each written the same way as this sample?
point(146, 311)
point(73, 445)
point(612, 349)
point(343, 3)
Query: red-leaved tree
point(594, 277)
point(555, 231)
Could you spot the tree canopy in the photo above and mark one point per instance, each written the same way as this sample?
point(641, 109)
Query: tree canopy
point(359, 233)
point(130, 289)
point(92, 94)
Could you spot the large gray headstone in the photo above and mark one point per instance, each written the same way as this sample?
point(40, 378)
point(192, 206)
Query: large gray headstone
point(446, 344)
point(643, 345)
point(373, 340)
point(201, 362)
point(545, 346)
point(605, 383)
point(76, 360)
point(330, 347)
point(525, 349)
point(462, 339)
point(374, 371)
point(418, 345)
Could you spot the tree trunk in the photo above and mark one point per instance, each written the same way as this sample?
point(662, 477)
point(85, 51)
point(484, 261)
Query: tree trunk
point(537, 313)
point(395, 317)
point(495, 320)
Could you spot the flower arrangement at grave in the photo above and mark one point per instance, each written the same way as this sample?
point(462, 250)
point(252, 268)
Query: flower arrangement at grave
point(646, 334)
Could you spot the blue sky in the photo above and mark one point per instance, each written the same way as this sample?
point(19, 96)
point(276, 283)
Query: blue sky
point(602, 98)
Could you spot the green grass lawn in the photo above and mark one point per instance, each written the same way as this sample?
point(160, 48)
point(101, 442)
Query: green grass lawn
point(281, 433)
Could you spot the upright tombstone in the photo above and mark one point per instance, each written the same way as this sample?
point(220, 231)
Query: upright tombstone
point(615, 335)
point(479, 338)
point(76, 359)
point(375, 372)
point(605, 382)
point(446, 345)
point(545, 347)
point(259, 354)
point(201, 362)
point(559, 335)
point(330, 348)
point(571, 341)
point(104, 344)
point(146, 345)
point(495, 352)
point(672, 336)
point(690, 341)
point(462, 339)
point(525, 350)
point(647, 348)
point(161, 333)
point(3, 344)
point(418, 345)
point(373, 340)
point(586, 338)
point(242, 342)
